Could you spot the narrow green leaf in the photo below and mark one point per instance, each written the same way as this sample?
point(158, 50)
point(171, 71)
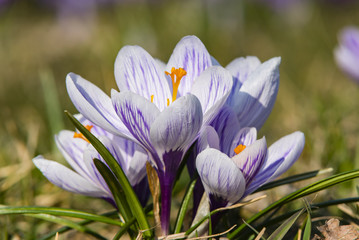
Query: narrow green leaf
point(82, 223)
point(280, 232)
point(59, 212)
point(312, 188)
point(131, 197)
point(183, 209)
point(67, 223)
point(294, 178)
point(308, 228)
point(124, 229)
point(115, 189)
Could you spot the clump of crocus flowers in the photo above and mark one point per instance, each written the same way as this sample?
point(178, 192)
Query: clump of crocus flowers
point(191, 109)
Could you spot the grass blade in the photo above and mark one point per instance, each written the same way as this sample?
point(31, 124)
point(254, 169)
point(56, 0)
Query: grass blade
point(184, 205)
point(294, 178)
point(59, 212)
point(308, 228)
point(115, 189)
point(280, 232)
point(312, 188)
point(131, 197)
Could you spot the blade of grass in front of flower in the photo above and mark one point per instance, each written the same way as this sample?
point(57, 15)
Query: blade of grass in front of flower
point(312, 188)
point(59, 212)
point(124, 229)
point(295, 178)
point(82, 223)
point(259, 234)
point(68, 223)
point(115, 189)
point(282, 230)
point(154, 185)
point(308, 228)
point(184, 206)
point(131, 197)
point(194, 227)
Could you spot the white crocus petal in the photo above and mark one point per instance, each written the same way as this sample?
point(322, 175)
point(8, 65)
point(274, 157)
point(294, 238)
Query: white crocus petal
point(226, 124)
point(240, 68)
point(212, 88)
point(178, 125)
point(220, 176)
point(251, 159)
point(72, 149)
point(288, 148)
point(67, 179)
point(136, 169)
point(246, 136)
point(137, 114)
point(208, 138)
point(95, 130)
point(138, 72)
point(94, 104)
point(257, 95)
point(191, 55)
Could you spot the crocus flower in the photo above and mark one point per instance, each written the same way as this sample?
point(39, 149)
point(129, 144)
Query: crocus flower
point(85, 179)
point(165, 122)
point(230, 176)
point(347, 53)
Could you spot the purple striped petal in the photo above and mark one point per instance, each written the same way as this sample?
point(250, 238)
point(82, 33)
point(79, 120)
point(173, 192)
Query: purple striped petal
point(227, 126)
point(251, 159)
point(94, 105)
point(138, 72)
point(208, 138)
point(221, 178)
point(176, 128)
point(258, 94)
point(240, 68)
point(67, 179)
point(288, 148)
point(192, 55)
point(95, 130)
point(212, 88)
point(246, 136)
point(72, 149)
point(138, 114)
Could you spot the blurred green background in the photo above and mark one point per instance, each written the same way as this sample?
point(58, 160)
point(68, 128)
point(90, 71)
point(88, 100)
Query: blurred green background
point(40, 43)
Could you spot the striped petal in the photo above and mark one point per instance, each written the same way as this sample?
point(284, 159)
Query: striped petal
point(246, 136)
point(240, 68)
point(222, 179)
point(212, 88)
point(208, 138)
point(94, 105)
point(251, 159)
point(258, 94)
point(138, 114)
point(138, 72)
point(176, 128)
point(67, 179)
point(192, 55)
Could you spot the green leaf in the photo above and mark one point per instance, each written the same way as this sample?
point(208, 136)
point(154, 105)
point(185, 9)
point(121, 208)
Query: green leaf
point(312, 188)
point(280, 232)
point(66, 222)
point(131, 197)
point(59, 212)
point(294, 178)
point(183, 209)
point(308, 228)
point(115, 189)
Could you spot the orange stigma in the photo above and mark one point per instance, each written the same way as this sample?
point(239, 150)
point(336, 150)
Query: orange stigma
point(239, 148)
point(176, 76)
point(152, 96)
point(80, 135)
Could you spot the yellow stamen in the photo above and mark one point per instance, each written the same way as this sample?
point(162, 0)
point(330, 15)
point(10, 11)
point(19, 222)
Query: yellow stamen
point(176, 76)
point(80, 135)
point(239, 148)
point(168, 102)
point(152, 96)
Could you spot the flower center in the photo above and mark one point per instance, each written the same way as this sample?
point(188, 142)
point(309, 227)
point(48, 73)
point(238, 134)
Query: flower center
point(80, 135)
point(176, 75)
point(239, 148)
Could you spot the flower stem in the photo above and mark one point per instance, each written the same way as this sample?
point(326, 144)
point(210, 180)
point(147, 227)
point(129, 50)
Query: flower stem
point(166, 195)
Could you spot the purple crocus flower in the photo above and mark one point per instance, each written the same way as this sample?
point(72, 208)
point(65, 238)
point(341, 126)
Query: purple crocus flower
point(347, 53)
point(229, 176)
point(165, 122)
point(85, 179)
